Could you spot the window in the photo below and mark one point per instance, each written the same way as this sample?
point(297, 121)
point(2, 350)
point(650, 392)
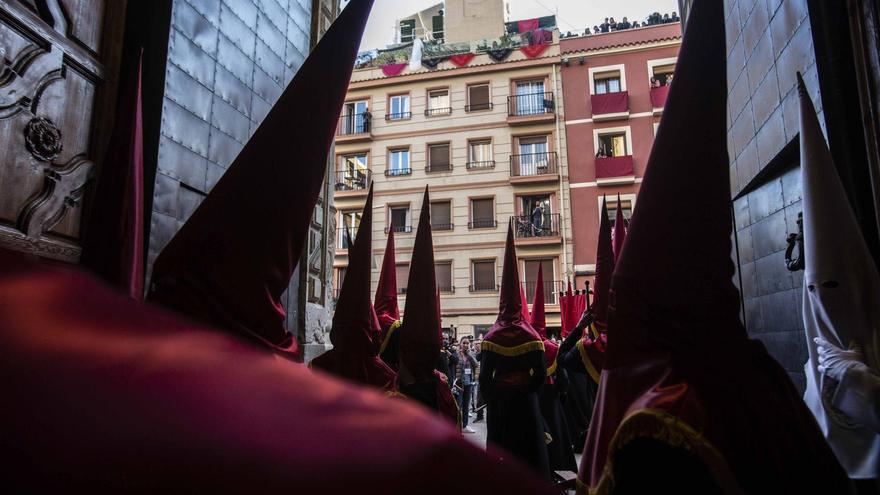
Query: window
point(402, 271)
point(438, 102)
point(438, 158)
point(399, 218)
point(398, 162)
point(480, 331)
point(441, 215)
point(536, 218)
point(533, 158)
point(480, 154)
point(483, 213)
point(531, 279)
point(398, 108)
point(625, 204)
point(340, 277)
point(443, 275)
point(355, 118)
point(661, 73)
point(437, 27)
point(351, 220)
point(530, 98)
point(612, 145)
point(483, 274)
point(478, 98)
point(608, 82)
point(407, 30)
point(353, 172)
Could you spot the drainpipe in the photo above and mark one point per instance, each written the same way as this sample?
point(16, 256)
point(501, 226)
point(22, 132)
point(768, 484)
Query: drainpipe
point(559, 130)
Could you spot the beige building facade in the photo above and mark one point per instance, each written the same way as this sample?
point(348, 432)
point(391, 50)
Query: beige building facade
point(488, 140)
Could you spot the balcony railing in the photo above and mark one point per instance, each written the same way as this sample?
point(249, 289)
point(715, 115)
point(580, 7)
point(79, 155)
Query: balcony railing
point(439, 167)
point(400, 228)
point(478, 107)
point(398, 116)
point(658, 96)
point(535, 226)
point(442, 226)
point(532, 164)
point(530, 104)
point(483, 224)
point(401, 290)
point(551, 289)
point(610, 105)
point(481, 165)
point(434, 112)
point(356, 123)
point(447, 289)
point(351, 180)
point(394, 172)
point(483, 287)
point(614, 166)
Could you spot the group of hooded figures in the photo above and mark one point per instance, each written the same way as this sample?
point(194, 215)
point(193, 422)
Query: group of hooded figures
point(109, 393)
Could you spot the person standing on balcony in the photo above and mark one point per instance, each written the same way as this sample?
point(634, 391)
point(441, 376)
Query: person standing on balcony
point(537, 219)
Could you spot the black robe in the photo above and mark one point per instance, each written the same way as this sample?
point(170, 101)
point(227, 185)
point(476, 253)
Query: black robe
point(559, 450)
point(514, 420)
point(582, 389)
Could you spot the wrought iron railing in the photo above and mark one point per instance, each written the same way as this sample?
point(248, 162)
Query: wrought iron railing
point(483, 287)
point(439, 167)
point(532, 164)
point(442, 226)
point(434, 112)
point(398, 116)
point(478, 106)
point(356, 123)
point(538, 225)
point(399, 229)
point(484, 165)
point(485, 223)
point(530, 104)
point(351, 180)
point(394, 172)
point(551, 290)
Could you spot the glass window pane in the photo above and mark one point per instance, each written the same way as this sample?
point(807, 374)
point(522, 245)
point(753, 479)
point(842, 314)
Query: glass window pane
point(441, 213)
point(402, 277)
point(443, 275)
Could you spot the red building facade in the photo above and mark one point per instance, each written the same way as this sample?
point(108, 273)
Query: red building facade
point(611, 114)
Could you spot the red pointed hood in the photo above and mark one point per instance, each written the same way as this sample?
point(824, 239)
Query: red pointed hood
point(386, 291)
point(604, 269)
point(524, 302)
point(619, 235)
point(511, 334)
point(215, 269)
point(354, 354)
point(678, 358)
point(539, 319)
point(420, 331)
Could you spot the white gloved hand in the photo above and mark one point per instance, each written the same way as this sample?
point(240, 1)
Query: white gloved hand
point(834, 361)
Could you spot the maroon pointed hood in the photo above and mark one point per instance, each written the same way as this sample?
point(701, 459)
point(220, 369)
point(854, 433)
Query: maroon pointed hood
point(539, 318)
point(524, 302)
point(233, 259)
point(604, 269)
point(678, 358)
point(420, 338)
point(511, 335)
point(386, 292)
point(354, 354)
point(619, 235)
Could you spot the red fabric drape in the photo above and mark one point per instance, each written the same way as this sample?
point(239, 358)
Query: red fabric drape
point(610, 102)
point(614, 166)
point(658, 96)
point(113, 240)
point(393, 69)
point(461, 59)
point(527, 25)
point(533, 51)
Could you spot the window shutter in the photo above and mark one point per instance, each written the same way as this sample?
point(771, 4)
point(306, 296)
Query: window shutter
point(484, 275)
point(402, 277)
point(478, 96)
point(482, 210)
point(440, 213)
point(443, 274)
point(439, 156)
point(407, 30)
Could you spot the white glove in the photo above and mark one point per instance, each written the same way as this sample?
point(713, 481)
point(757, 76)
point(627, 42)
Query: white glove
point(834, 361)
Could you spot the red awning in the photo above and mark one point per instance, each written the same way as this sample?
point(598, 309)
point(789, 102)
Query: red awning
point(610, 103)
point(615, 166)
point(658, 96)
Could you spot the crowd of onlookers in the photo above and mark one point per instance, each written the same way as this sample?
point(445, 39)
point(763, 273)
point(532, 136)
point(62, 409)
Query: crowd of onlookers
point(611, 24)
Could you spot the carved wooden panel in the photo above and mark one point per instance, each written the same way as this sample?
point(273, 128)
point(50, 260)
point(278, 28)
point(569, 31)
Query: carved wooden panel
point(49, 78)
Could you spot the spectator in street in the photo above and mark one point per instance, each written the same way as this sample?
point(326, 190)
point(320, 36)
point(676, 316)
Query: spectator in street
point(467, 372)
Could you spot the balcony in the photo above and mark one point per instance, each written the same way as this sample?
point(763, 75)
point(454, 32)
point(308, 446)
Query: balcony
point(391, 117)
point(483, 287)
point(438, 227)
point(529, 230)
point(354, 181)
point(551, 289)
point(446, 289)
point(398, 229)
point(533, 167)
point(614, 170)
point(438, 112)
point(658, 98)
point(531, 108)
point(610, 106)
point(485, 223)
point(395, 172)
point(439, 167)
point(355, 128)
point(479, 107)
point(484, 165)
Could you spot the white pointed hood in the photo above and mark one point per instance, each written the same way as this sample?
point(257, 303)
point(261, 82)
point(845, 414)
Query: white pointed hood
point(841, 290)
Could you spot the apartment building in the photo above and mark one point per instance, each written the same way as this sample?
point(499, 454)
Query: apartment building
point(611, 115)
point(487, 138)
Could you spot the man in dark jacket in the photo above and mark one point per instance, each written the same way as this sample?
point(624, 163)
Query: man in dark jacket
point(466, 373)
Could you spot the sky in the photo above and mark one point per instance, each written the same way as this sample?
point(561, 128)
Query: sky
point(573, 15)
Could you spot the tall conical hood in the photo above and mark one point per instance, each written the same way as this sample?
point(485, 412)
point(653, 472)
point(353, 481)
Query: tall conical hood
point(511, 334)
point(841, 289)
point(619, 235)
point(678, 357)
point(539, 319)
point(524, 304)
point(215, 269)
point(420, 331)
point(386, 292)
point(604, 268)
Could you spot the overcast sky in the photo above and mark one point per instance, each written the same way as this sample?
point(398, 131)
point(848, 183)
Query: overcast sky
point(573, 15)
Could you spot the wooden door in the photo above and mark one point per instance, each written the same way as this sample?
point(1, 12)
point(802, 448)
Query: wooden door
point(53, 74)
